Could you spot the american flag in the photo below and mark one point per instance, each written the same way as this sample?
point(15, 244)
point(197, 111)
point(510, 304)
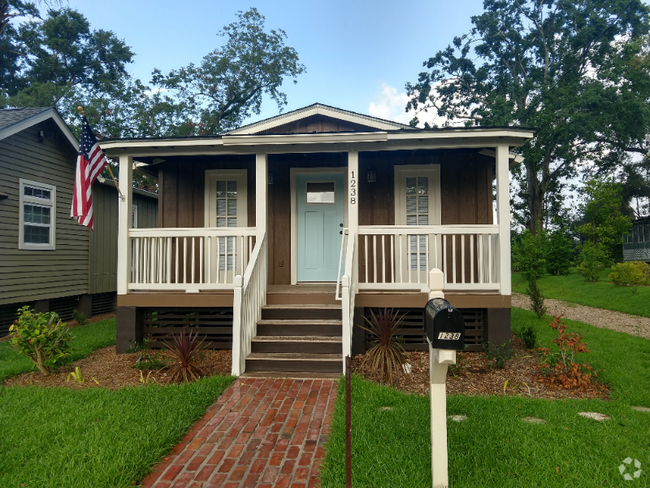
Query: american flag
point(90, 163)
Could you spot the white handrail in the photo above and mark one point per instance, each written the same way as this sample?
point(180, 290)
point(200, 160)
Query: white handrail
point(248, 300)
point(348, 297)
point(339, 276)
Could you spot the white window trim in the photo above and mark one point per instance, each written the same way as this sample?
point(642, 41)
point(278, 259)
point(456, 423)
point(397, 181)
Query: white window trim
point(239, 175)
point(24, 199)
point(404, 171)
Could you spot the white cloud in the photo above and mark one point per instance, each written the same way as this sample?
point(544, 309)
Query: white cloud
point(390, 105)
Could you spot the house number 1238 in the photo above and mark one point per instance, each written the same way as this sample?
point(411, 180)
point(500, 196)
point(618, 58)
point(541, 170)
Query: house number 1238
point(353, 188)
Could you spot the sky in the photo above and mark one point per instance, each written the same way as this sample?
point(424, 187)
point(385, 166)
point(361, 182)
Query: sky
point(358, 54)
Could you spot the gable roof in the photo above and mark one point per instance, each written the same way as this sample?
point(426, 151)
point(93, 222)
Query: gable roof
point(14, 120)
point(269, 124)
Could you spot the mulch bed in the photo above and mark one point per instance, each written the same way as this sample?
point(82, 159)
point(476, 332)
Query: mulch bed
point(474, 375)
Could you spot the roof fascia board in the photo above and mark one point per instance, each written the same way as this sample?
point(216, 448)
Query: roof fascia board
point(37, 119)
point(404, 145)
point(323, 138)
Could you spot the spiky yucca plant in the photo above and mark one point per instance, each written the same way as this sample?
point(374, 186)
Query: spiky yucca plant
point(185, 347)
point(387, 354)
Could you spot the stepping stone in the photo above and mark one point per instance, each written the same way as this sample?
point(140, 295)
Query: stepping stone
point(533, 420)
point(641, 409)
point(457, 418)
point(384, 409)
point(599, 417)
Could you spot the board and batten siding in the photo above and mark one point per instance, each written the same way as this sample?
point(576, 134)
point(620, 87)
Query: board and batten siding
point(29, 275)
point(103, 241)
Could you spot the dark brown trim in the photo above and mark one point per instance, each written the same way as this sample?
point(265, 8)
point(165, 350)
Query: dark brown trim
point(203, 299)
point(418, 299)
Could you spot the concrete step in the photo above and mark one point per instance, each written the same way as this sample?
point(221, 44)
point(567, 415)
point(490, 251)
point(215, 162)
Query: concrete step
point(299, 328)
point(294, 363)
point(302, 311)
point(293, 344)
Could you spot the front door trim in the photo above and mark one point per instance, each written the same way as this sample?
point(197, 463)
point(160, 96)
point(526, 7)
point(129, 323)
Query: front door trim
point(294, 209)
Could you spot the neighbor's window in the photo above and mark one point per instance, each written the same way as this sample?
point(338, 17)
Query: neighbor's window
point(37, 215)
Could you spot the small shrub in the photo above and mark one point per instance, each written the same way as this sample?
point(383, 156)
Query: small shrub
point(80, 317)
point(387, 354)
point(455, 369)
point(560, 367)
point(42, 337)
point(529, 336)
point(138, 346)
point(186, 348)
point(634, 273)
point(498, 355)
point(76, 375)
point(536, 298)
point(593, 259)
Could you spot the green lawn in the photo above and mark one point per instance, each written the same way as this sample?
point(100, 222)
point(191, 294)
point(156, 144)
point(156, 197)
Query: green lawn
point(494, 447)
point(56, 437)
point(601, 294)
point(95, 437)
point(85, 340)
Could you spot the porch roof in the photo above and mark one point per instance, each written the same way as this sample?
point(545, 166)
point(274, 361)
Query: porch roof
point(382, 140)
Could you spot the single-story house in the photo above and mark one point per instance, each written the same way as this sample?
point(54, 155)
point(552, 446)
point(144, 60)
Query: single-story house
point(275, 239)
point(47, 260)
point(636, 244)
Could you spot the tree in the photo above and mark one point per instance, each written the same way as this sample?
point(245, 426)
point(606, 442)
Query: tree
point(229, 84)
point(604, 223)
point(61, 58)
point(576, 71)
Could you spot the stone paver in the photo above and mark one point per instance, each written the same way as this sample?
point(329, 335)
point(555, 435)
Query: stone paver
point(262, 432)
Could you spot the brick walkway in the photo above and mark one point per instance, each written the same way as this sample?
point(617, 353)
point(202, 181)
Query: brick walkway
point(260, 433)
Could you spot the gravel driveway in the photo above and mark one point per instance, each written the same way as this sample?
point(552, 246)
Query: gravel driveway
point(605, 319)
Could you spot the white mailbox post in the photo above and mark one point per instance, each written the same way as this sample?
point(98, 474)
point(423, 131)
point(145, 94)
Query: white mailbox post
point(439, 361)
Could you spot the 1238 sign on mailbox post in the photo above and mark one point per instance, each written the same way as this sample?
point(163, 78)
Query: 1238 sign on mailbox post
point(444, 325)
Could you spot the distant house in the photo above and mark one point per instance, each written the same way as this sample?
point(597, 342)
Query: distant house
point(277, 238)
point(636, 245)
point(47, 260)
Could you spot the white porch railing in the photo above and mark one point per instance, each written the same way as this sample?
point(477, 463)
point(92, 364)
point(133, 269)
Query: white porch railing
point(189, 259)
point(348, 295)
point(248, 300)
point(400, 257)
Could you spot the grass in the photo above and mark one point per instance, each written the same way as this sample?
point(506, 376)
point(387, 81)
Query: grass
point(391, 447)
point(95, 437)
point(85, 340)
point(601, 294)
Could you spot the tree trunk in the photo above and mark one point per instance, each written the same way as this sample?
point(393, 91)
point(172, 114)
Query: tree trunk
point(39, 363)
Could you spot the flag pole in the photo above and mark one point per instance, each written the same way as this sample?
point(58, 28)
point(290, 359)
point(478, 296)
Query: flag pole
point(108, 166)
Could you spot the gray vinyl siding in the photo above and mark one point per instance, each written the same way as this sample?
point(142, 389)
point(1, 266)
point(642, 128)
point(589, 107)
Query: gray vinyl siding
point(28, 275)
point(147, 211)
point(103, 241)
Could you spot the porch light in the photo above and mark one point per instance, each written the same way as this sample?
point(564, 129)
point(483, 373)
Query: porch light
point(371, 176)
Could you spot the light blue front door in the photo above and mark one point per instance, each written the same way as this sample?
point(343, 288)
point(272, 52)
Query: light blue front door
point(320, 213)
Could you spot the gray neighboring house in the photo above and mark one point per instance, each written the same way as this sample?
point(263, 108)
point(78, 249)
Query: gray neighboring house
point(636, 244)
point(47, 260)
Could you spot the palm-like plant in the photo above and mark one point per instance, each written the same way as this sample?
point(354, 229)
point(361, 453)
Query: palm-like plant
point(185, 347)
point(387, 354)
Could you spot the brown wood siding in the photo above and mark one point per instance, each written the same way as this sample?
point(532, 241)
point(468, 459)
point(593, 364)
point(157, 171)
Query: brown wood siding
point(318, 124)
point(28, 275)
point(181, 183)
point(279, 207)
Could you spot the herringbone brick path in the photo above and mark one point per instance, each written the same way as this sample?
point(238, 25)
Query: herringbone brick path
point(260, 433)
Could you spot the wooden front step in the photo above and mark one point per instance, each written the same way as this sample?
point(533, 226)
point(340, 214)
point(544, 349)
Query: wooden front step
point(299, 333)
point(293, 344)
point(294, 363)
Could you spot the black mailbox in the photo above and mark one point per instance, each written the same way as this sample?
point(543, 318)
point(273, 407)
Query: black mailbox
point(444, 325)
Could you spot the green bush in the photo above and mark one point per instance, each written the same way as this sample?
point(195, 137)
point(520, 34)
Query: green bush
point(528, 254)
point(634, 273)
point(80, 317)
point(42, 337)
point(559, 252)
point(593, 258)
point(536, 298)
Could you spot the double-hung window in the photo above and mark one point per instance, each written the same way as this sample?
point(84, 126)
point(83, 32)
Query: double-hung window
point(37, 215)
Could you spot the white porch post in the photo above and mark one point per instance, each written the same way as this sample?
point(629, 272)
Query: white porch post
point(353, 193)
point(503, 216)
point(261, 190)
point(124, 224)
